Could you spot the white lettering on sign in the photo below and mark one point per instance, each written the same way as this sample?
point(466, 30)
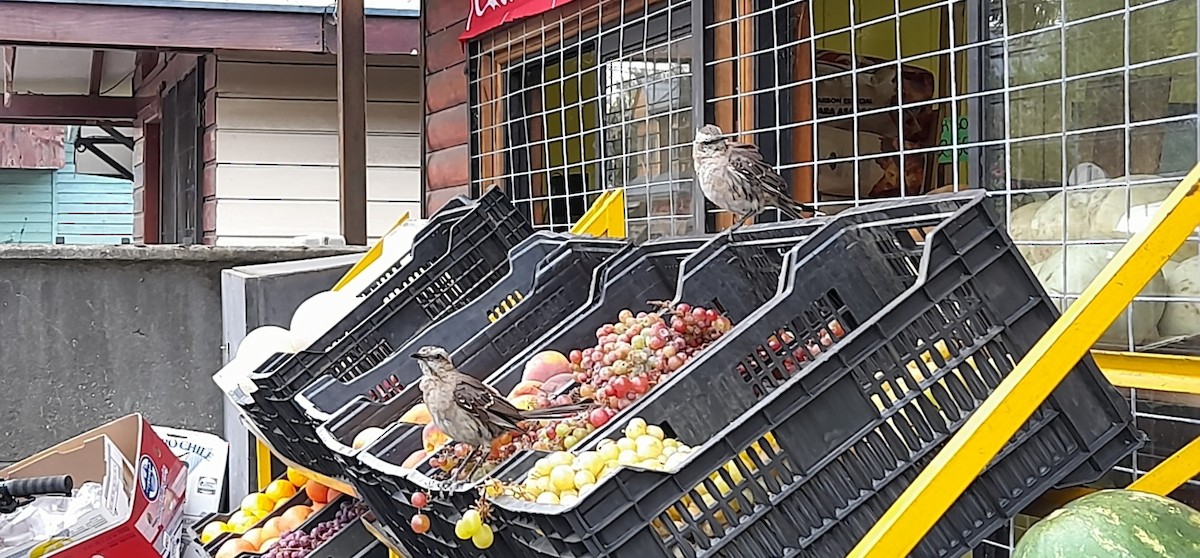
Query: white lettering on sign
point(482, 6)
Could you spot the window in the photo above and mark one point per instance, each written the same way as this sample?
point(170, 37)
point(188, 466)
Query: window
point(595, 96)
point(179, 183)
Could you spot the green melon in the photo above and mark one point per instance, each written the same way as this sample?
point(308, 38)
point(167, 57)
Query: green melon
point(1115, 524)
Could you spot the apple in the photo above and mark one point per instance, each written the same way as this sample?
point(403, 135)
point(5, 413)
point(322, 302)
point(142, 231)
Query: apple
point(419, 414)
point(526, 387)
point(433, 438)
point(556, 383)
point(415, 459)
point(546, 365)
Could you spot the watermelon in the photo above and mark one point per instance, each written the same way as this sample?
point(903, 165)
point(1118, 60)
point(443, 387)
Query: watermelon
point(1115, 524)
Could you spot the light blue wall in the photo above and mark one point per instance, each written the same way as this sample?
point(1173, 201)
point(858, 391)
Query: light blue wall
point(39, 207)
point(90, 209)
point(26, 206)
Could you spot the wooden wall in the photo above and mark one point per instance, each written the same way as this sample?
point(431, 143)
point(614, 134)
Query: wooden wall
point(275, 147)
point(31, 147)
point(446, 112)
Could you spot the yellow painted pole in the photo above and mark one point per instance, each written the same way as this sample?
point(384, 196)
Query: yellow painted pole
point(1035, 377)
point(1172, 472)
point(1170, 373)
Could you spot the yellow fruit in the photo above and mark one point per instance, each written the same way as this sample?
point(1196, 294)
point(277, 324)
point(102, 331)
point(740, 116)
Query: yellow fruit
point(656, 431)
point(462, 531)
point(473, 520)
point(547, 498)
point(212, 531)
point(635, 428)
point(648, 447)
point(296, 477)
point(366, 437)
point(483, 537)
point(626, 444)
point(257, 501)
point(542, 467)
point(627, 457)
point(280, 490)
point(241, 521)
point(584, 478)
point(609, 453)
point(563, 477)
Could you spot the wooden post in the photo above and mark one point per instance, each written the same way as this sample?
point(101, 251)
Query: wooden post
point(352, 121)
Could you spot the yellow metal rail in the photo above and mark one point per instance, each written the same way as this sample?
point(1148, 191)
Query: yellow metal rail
point(1035, 377)
point(606, 217)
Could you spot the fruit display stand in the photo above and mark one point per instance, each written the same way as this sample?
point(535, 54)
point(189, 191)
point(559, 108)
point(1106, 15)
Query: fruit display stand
point(371, 263)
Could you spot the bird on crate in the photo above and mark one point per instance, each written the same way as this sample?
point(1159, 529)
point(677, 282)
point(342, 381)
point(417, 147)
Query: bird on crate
point(735, 177)
point(469, 411)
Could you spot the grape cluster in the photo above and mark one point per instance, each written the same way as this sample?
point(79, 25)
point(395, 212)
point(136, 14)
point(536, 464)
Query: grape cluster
point(298, 544)
point(630, 357)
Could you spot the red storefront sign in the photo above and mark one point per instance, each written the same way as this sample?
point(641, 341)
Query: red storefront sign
point(490, 14)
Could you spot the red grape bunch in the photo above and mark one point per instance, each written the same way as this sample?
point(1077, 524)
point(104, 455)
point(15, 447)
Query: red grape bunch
point(298, 544)
point(630, 357)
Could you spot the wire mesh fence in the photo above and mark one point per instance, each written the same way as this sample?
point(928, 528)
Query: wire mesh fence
point(1078, 116)
point(594, 97)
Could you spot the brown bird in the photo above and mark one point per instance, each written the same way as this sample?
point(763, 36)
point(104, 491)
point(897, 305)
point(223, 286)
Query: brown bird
point(469, 411)
point(735, 177)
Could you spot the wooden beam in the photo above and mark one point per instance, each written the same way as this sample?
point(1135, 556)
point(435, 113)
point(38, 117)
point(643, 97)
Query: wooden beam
point(381, 35)
point(121, 26)
point(97, 74)
point(68, 110)
point(352, 121)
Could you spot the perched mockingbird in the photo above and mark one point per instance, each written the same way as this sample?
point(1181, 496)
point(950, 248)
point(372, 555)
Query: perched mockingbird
point(735, 177)
point(470, 412)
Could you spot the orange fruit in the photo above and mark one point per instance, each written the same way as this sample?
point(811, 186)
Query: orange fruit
point(331, 495)
point(271, 530)
point(254, 537)
point(233, 547)
point(280, 490)
point(296, 515)
point(317, 492)
point(296, 477)
point(280, 504)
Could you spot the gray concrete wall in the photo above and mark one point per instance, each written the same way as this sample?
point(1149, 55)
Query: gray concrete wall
point(88, 334)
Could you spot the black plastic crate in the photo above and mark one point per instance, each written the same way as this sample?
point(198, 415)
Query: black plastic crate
point(822, 444)
point(754, 251)
point(650, 269)
point(546, 267)
point(437, 280)
point(327, 512)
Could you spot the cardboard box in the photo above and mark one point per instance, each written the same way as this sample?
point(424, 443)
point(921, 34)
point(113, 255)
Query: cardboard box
point(205, 456)
point(145, 487)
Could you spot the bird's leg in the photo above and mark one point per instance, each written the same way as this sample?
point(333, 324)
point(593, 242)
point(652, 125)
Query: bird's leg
point(741, 220)
point(474, 458)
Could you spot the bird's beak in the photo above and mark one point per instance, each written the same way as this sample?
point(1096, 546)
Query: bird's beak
point(415, 355)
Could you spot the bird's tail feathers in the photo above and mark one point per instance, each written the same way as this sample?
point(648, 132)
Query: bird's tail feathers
point(796, 210)
point(560, 411)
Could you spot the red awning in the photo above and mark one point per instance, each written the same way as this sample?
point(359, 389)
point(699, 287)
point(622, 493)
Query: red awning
point(489, 14)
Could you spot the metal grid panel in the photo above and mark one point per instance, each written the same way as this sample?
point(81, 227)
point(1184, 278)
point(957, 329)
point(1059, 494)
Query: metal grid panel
point(573, 103)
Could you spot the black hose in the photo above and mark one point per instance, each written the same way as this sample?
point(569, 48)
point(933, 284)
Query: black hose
point(37, 486)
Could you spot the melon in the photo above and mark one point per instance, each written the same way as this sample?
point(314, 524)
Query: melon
point(1116, 524)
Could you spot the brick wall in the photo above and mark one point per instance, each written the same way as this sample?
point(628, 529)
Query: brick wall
point(446, 110)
